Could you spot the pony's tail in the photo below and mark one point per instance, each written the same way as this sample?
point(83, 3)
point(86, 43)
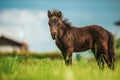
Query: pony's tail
point(111, 49)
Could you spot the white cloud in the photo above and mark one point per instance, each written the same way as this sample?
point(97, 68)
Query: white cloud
point(26, 25)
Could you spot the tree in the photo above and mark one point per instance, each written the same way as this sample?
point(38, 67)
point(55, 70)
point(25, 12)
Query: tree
point(117, 23)
point(117, 43)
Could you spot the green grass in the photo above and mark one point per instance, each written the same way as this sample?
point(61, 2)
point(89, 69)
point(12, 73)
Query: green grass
point(31, 68)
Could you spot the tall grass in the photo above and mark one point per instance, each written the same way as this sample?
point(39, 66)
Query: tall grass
point(31, 68)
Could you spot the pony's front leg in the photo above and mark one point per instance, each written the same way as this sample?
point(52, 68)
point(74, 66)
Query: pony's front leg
point(68, 57)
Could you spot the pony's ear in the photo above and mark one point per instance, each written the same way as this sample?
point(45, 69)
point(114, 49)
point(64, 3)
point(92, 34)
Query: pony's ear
point(49, 14)
point(59, 14)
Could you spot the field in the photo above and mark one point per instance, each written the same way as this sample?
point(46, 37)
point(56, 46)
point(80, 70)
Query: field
point(19, 67)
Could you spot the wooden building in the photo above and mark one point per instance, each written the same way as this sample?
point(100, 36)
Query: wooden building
point(8, 45)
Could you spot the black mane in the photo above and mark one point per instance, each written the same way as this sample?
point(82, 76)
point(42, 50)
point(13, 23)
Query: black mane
point(67, 23)
point(65, 20)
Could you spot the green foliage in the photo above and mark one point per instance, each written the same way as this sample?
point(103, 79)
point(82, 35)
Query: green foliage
point(8, 65)
point(78, 57)
point(117, 48)
point(117, 43)
point(31, 68)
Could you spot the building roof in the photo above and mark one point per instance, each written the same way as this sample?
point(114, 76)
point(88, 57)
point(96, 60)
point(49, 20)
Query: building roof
point(8, 41)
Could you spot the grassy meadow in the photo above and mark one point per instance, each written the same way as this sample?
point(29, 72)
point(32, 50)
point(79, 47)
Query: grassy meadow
point(27, 67)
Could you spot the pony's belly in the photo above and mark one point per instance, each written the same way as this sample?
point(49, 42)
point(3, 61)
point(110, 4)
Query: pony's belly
point(81, 48)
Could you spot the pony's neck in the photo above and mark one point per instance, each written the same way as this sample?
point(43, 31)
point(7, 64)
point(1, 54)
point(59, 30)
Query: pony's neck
point(62, 31)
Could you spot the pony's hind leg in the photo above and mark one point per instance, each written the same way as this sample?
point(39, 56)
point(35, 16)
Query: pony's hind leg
point(112, 60)
point(107, 61)
point(107, 57)
point(101, 62)
point(98, 58)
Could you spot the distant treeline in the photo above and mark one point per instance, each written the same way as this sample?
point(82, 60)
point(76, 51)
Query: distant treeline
point(40, 55)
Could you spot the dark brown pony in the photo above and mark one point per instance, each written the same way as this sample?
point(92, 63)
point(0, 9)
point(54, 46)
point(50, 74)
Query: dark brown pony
point(71, 39)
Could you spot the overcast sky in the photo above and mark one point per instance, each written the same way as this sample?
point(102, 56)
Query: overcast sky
point(26, 20)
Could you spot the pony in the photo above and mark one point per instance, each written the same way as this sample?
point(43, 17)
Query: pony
point(71, 39)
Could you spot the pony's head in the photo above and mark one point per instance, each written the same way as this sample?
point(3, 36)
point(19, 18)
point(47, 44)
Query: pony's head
point(55, 20)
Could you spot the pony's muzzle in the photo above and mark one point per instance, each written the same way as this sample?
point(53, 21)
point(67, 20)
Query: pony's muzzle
point(54, 34)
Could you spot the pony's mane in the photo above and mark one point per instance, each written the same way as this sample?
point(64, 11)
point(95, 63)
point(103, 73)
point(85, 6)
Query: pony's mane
point(67, 23)
point(65, 20)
